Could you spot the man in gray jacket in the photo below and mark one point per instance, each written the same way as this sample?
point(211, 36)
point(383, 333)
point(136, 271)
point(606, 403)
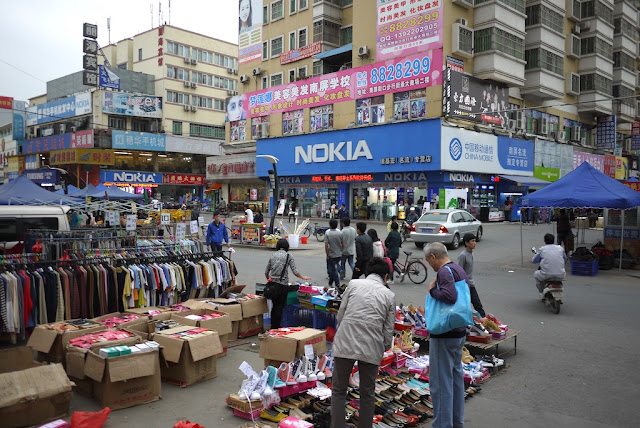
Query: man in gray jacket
point(552, 259)
point(349, 246)
point(365, 330)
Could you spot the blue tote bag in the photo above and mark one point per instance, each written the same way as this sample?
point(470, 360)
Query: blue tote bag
point(443, 317)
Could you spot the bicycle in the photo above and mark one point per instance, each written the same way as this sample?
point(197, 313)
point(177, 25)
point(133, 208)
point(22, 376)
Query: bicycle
point(318, 232)
point(414, 268)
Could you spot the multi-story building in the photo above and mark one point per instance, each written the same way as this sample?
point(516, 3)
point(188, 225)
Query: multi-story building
point(158, 112)
point(450, 102)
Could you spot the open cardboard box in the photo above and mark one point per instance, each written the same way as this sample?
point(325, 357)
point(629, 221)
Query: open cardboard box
point(232, 307)
point(253, 306)
point(286, 348)
point(221, 324)
point(145, 311)
point(142, 318)
point(188, 361)
point(250, 326)
point(126, 381)
point(32, 393)
point(51, 344)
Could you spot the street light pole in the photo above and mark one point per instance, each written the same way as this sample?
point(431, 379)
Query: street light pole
point(273, 160)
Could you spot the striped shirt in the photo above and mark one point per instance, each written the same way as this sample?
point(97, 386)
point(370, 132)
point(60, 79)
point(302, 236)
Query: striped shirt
point(276, 266)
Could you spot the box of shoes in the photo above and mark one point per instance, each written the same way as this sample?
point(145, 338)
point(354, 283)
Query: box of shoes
point(253, 305)
point(286, 348)
point(50, 340)
point(190, 354)
point(150, 311)
point(251, 326)
point(236, 403)
point(206, 318)
point(124, 381)
point(32, 393)
point(120, 319)
point(224, 342)
point(232, 307)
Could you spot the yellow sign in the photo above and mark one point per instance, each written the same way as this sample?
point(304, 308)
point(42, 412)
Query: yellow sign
point(15, 163)
point(83, 156)
point(622, 168)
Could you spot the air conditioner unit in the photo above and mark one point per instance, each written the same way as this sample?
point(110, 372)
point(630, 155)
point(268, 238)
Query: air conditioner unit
point(461, 40)
point(575, 29)
point(194, 61)
point(521, 121)
point(363, 51)
point(574, 133)
point(462, 22)
point(187, 60)
point(235, 71)
point(543, 126)
point(244, 78)
point(230, 92)
point(583, 140)
point(257, 71)
point(573, 46)
point(572, 84)
point(74, 129)
point(194, 108)
point(573, 10)
point(585, 26)
point(467, 4)
point(186, 107)
point(187, 83)
point(230, 70)
point(264, 130)
point(194, 84)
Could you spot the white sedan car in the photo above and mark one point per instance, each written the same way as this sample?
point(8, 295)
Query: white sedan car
point(446, 226)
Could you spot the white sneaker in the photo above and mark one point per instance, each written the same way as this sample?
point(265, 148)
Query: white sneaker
point(310, 372)
point(247, 390)
point(262, 388)
point(298, 371)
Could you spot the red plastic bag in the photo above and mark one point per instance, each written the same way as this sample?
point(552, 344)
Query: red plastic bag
point(187, 424)
point(90, 419)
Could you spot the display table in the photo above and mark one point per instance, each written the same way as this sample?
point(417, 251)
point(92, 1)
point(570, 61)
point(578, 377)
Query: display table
point(511, 334)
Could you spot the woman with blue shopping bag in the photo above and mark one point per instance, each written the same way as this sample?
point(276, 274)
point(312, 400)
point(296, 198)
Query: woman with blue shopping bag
point(447, 312)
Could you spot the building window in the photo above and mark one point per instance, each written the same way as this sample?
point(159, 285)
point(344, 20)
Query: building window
point(276, 46)
point(302, 72)
point(465, 37)
point(516, 4)
point(265, 14)
point(206, 131)
point(122, 66)
point(139, 125)
point(410, 104)
point(292, 75)
point(259, 127)
point(140, 54)
point(292, 6)
point(542, 58)
point(596, 82)
point(326, 31)
point(596, 9)
point(622, 26)
point(265, 82)
point(117, 123)
point(625, 95)
point(225, 61)
point(238, 130)
point(277, 10)
point(302, 38)
point(177, 97)
point(205, 79)
point(622, 59)
point(203, 102)
point(224, 83)
point(292, 40)
point(177, 128)
point(321, 118)
point(370, 110)
point(293, 122)
point(204, 56)
point(303, 5)
point(346, 35)
point(276, 79)
point(596, 45)
point(219, 105)
point(265, 51)
point(540, 14)
point(317, 68)
point(493, 38)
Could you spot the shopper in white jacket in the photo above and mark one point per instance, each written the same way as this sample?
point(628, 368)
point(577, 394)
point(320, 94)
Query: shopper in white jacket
point(365, 330)
point(378, 246)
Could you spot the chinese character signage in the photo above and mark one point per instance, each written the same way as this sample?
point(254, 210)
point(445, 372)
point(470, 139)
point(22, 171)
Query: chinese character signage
point(402, 74)
point(108, 79)
point(138, 141)
point(19, 119)
point(406, 27)
point(6, 103)
point(302, 53)
point(610, 165)
point(231, 166)
point(606, 132)
point(82, 156)
point(8, 148)
point(75, 105)
point(77, 140)
point(473, 99)
point(622, 168)
point(132, 104)
point(463, 150)
point(38, 176)
point(179, 144)
point(250, 29)
point(455, 64)
point(186, 179)
point(596, 161)
point(635, 135)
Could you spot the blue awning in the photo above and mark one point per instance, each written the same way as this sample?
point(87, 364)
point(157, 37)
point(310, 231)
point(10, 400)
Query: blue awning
point(337, 51)
point(526, 181)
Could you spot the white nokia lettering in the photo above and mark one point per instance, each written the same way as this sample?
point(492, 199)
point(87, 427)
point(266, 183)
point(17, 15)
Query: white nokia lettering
point(323, 152)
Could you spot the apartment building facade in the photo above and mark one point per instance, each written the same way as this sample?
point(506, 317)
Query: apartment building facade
point(481, 98)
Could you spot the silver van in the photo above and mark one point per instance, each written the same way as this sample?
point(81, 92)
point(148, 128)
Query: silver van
point(15, 220)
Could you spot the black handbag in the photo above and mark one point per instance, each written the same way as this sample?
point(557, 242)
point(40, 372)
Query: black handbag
point(273, 289)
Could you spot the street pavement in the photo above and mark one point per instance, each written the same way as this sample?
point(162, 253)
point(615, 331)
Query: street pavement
point(574, 369)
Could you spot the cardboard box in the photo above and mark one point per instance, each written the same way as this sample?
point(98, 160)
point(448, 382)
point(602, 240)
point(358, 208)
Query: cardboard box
point(35, 395)
point(221, 324)
point(51, 344)
point(144, 330)
point(142, 318)
point(15, 359)
point(250, 326)
point(274, 363)
point(125, 381)
point(83, 387)
point(75, 358)
point(236, 403)
point(188, 361)
point(224, 342)
point(233, 308)
point(286, 348)
point(253, 307)
point(235, 327)
point(145, 311)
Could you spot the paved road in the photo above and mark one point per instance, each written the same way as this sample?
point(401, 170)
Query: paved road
point(575, 369)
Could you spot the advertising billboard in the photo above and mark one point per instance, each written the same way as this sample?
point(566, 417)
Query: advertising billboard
point(606, 132)
point(19, 120)
point(75, 105)
point(131, 140)
point(408, 73)
point(250, 28)
point(6, 102)
point(302, 53)
point(80, 139)
point(108, 79)
point(132, 104)
point(408, 27)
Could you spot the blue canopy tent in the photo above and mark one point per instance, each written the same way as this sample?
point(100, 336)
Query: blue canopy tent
point(23, 191)
point(114, 194)
point(585, 187)
point(70, 189)
point(82, 193)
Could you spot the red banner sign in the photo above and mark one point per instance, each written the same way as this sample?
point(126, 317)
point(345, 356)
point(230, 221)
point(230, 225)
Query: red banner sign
point(187, 179)
point(6, 102)
point(302, 53)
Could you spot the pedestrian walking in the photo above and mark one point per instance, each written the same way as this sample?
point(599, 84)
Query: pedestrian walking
point(508, 207)
point(393, 243)
point(365, 330)
point(563, 228)
point(446, 376)
point(378, 246)
point(364, 249)
point(216, 233)
point(333, 247)
point(465, 261)
point(342, 213)
point(348, 247)
point(292, 210)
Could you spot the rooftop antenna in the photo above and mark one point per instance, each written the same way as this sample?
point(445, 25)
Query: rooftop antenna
point(169, 12)
point(159, 13)
point(109, 28)
point(151, 8)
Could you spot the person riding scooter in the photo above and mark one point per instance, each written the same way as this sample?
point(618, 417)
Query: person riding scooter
point(552, 260)
point(412, 217)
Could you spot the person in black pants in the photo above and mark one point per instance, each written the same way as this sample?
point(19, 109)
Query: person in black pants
point(465, 261)
point(364, 249)
point(278, 271)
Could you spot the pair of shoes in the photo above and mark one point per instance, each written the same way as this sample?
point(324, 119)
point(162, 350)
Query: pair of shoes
point(257, 387)
point(272, 415)
point(285, 373)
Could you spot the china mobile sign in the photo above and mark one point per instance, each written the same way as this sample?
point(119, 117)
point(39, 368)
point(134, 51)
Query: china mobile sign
point(231, 167)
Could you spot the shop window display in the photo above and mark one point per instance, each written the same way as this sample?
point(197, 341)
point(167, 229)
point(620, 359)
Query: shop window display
point(238, 130)
point(321, 118)
point(257, 130)
point(292, 122)
point(370, 110)
point(410, 104)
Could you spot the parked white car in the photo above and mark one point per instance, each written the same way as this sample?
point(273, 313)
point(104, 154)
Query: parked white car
point(446, 226)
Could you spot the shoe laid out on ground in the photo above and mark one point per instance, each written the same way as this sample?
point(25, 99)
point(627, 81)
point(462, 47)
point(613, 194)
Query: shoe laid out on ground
point(298, 368)
point(494, 319)
point(491, 326)
point(478, 330)
point(491, 361)
point(272, 415)
point(286, 374)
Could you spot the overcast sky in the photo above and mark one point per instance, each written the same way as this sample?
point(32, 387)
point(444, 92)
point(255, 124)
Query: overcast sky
point(41, 40)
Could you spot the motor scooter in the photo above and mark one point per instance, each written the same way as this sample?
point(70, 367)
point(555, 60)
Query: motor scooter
point(551, 296)
point(406, 230)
